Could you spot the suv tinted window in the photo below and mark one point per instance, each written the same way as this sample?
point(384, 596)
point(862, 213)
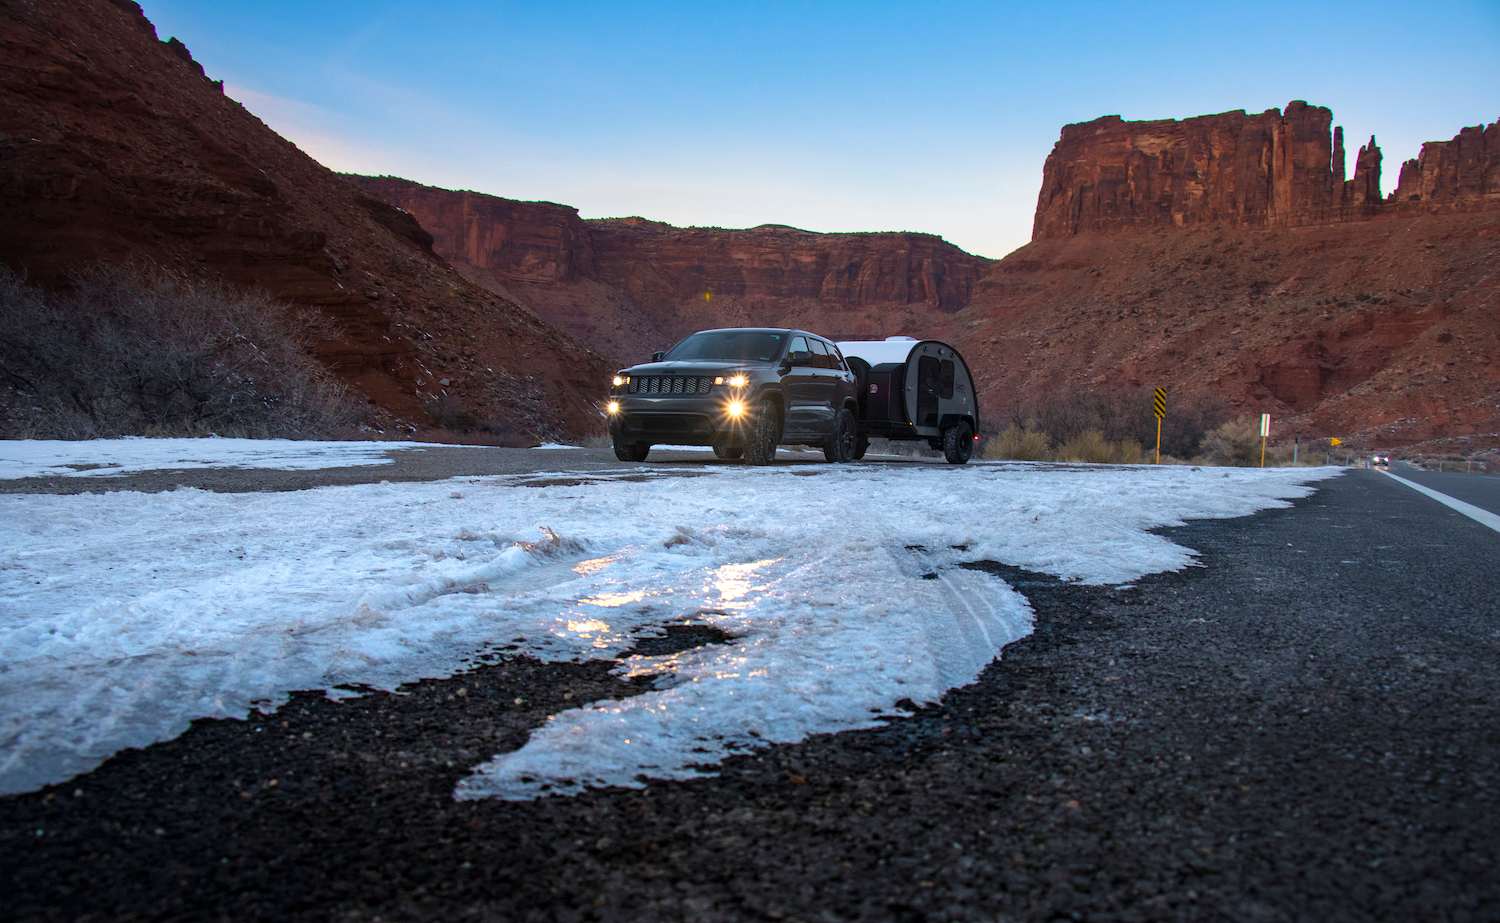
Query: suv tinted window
point(732, 345)
point(820, 359)
point(799, 345)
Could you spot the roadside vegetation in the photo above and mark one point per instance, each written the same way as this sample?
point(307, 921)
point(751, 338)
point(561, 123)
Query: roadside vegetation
point(1120, 428)
point(138, 350)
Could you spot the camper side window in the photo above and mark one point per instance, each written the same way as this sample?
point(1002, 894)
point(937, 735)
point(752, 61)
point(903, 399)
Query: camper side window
point(945, 380)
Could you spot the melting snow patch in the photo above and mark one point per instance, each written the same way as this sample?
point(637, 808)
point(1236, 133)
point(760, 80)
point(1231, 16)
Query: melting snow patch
point(30, 458)
point(124, 616)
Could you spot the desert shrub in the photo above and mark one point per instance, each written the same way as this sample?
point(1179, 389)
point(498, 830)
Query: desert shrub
point(1234, 443)
point(1091, 446)
point(1018, 444)
point(138, 350)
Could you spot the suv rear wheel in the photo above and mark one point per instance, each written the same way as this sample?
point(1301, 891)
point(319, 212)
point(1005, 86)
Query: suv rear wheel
point(631, 451)
point(760, 447)
point(840, 446)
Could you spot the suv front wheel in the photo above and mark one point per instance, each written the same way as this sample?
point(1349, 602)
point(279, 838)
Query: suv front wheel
point(631, 451)
point(760, 448)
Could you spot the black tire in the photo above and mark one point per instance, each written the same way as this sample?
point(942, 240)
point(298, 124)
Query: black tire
point(840, 446)
point(861, 446)
point(765, 433)
point(730, 452)
point(958, 443)
point(632, 451)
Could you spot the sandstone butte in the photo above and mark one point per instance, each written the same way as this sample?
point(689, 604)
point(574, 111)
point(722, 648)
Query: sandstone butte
point(1225, 254)
point(115, 146)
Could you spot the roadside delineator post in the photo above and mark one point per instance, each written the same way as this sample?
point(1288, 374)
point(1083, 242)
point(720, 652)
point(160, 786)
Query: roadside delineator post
point(1265, 430)
point(1160, 404)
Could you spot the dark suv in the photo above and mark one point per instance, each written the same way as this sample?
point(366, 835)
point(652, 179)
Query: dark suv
point(743, 391)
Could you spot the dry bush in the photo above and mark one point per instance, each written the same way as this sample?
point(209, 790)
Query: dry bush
point(138, 350)
point(1091, 446)
point(1234, 443)
point(1087, 446)
point(1018, 444)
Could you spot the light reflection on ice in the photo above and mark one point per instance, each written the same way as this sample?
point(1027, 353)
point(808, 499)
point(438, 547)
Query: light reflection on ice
point(732, 581)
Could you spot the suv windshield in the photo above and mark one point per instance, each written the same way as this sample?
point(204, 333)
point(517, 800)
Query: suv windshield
point(732, 345)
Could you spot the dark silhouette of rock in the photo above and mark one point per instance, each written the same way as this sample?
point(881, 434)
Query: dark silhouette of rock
point(115, 146)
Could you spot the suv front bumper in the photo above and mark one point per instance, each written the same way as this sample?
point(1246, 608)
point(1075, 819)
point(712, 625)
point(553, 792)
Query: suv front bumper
point(697, 420)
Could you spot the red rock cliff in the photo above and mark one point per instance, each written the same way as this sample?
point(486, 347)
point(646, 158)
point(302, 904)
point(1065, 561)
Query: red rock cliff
point(1243, 171)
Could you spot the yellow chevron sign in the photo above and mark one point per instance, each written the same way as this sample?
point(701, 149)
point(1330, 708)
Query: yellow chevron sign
point(1161, 402)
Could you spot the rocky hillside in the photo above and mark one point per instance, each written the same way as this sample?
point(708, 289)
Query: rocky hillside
point(631, 286)
point(115, 146)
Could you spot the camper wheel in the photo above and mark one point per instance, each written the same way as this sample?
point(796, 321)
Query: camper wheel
point(861, 446)
point(958, 443)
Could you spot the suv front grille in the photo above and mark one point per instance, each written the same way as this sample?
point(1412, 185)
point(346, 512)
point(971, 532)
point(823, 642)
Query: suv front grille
point(670, 384)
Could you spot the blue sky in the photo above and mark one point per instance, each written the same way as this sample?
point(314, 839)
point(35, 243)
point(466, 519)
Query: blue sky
point(831, 116)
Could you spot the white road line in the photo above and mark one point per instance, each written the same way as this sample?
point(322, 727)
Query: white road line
point(1483, 517)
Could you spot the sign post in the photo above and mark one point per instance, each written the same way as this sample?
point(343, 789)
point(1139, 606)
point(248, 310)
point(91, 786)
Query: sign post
point(1265, 430)
point(1160, 404)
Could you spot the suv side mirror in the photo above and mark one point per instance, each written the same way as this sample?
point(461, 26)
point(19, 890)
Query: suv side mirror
point(800, 357)
point(658, 355)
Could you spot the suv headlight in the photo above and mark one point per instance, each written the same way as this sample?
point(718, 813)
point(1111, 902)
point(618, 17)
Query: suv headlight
point(620, 380)
point(737, 381)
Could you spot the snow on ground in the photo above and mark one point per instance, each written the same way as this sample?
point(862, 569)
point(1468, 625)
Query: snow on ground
point(31, 458)
point(124, 616)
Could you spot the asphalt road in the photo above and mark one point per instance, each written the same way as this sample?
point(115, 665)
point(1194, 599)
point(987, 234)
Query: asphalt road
point(1481, 490)
point(1305, 728)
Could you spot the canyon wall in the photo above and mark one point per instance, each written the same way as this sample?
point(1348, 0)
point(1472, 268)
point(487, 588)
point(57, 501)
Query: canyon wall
point(631, 286)
point(1271, 170)
point(115, 146)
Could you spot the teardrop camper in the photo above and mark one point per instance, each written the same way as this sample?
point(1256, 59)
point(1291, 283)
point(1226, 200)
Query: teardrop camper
point(910, 389)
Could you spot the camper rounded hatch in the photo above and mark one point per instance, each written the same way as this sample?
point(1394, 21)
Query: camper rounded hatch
point(910, 389)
